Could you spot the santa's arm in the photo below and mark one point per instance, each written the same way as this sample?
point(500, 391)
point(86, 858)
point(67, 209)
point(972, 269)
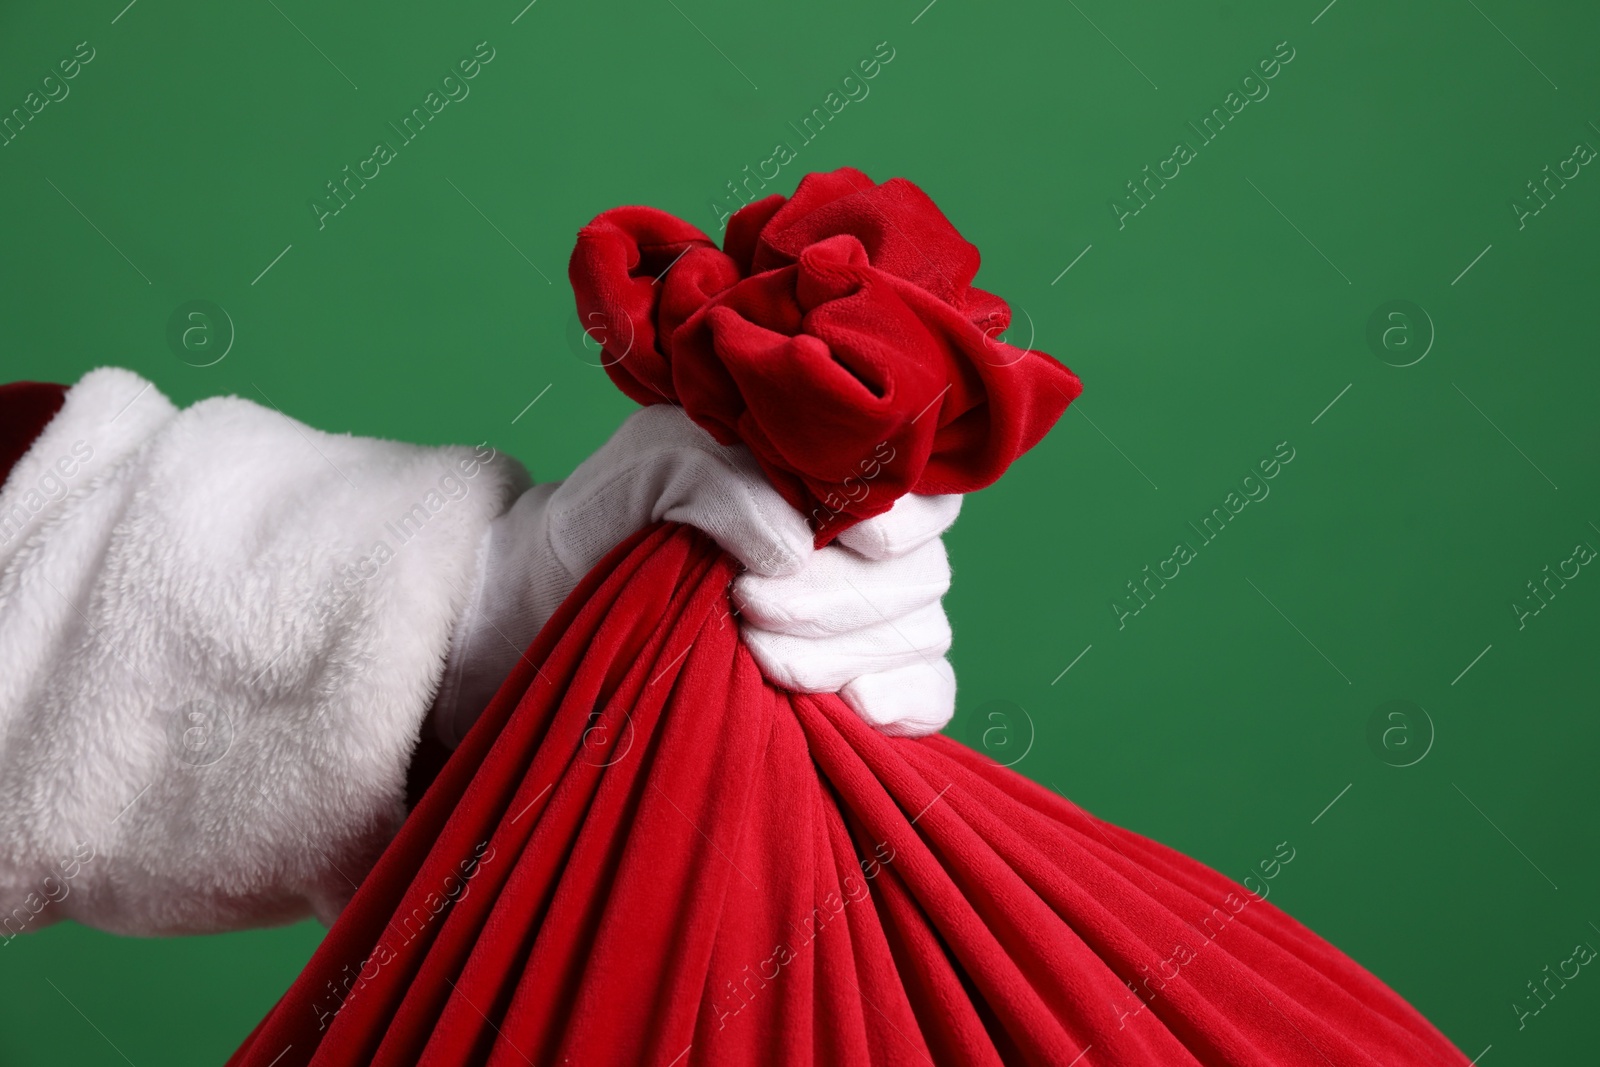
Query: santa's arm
point(222, 633)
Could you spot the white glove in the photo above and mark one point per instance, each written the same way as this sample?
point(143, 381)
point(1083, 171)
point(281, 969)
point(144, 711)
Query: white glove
point(661, 466)
point(862, 618)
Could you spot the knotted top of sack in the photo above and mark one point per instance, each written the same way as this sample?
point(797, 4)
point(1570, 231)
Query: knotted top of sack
point(837, 333)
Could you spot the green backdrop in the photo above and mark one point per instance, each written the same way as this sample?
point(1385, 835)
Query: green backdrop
point(1247, 306)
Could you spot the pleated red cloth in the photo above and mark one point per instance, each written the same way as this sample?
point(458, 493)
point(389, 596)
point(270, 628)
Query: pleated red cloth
point(644, 853)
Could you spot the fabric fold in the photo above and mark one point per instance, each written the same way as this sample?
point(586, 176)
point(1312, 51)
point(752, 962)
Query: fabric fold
point(644, 853)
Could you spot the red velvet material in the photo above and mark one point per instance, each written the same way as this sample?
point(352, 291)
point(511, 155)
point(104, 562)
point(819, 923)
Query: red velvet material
point(646, 854)
point(837, 334)
point(25, 409)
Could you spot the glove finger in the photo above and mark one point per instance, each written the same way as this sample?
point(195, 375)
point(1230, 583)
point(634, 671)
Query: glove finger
point(839, 591)
point(827, 664)
point(911, 701)
point(911, 523)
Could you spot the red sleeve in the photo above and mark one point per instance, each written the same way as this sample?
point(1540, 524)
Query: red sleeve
point(26, 408)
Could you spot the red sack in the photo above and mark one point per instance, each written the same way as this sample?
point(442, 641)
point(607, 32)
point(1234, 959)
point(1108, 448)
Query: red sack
point(645, 853)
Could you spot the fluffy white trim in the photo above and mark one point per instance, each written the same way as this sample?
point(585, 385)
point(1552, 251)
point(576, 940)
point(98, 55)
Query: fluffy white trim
point(217, 648)
point(107, 414)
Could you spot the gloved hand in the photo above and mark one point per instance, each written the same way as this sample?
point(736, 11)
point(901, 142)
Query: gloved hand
point(862, 618)
point(816, 633)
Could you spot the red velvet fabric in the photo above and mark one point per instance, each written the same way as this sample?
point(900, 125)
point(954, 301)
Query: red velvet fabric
point(25, 409)
point(646, 854)
point(837, 334)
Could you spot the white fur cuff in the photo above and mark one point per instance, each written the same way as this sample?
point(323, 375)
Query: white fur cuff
point(220, 632)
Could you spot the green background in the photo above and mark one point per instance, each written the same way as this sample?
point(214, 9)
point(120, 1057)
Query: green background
point(1221, 320)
